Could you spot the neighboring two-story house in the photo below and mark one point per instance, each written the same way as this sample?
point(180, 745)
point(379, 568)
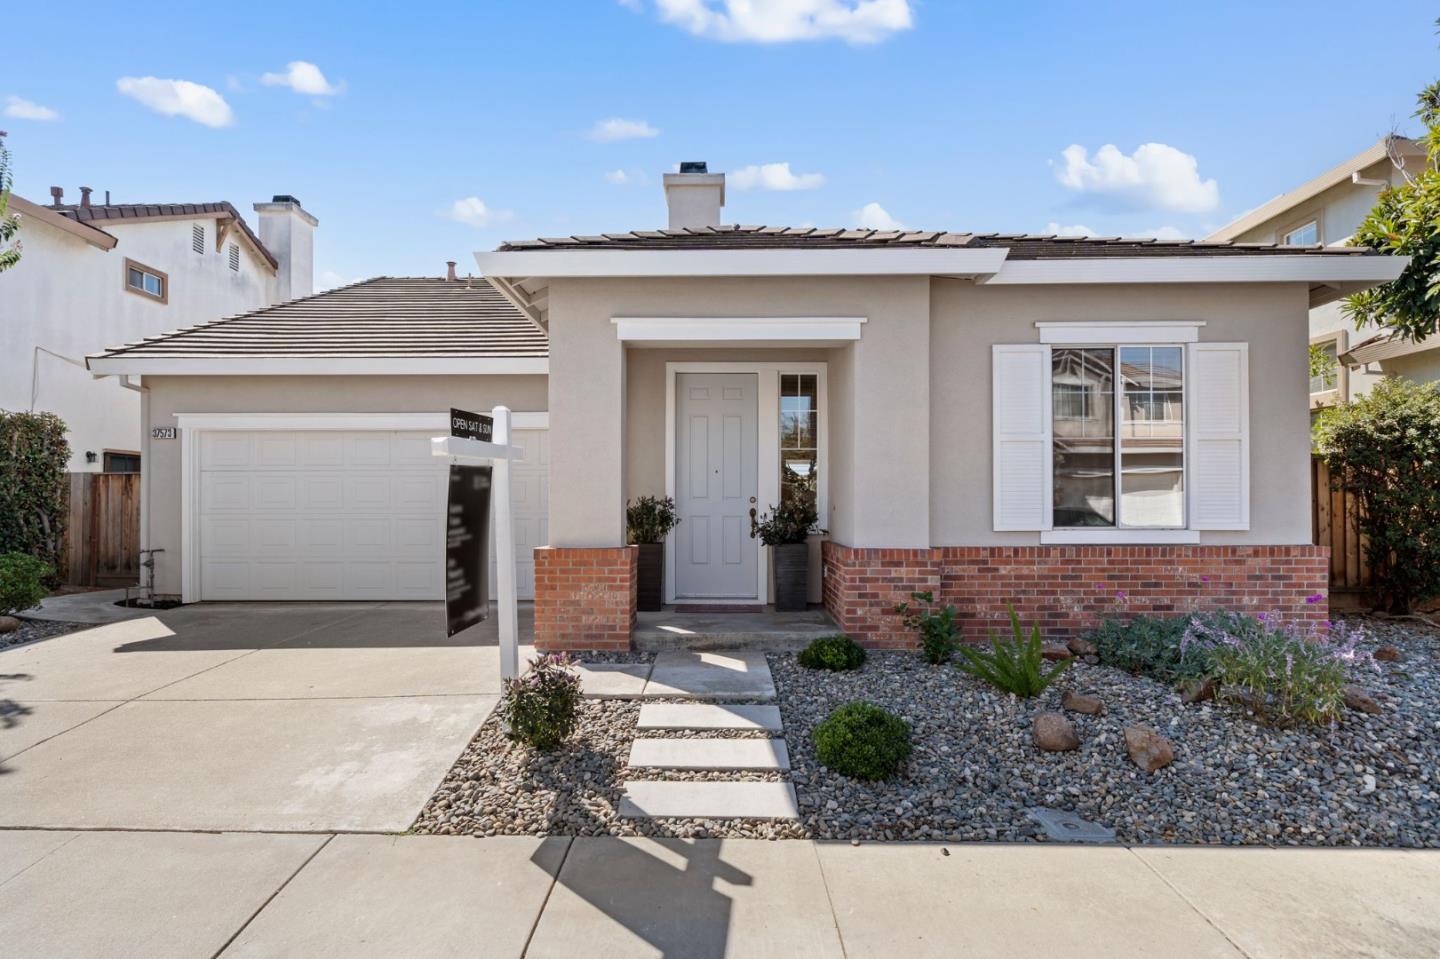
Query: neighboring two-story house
point(1326, 212)
point(93, 274)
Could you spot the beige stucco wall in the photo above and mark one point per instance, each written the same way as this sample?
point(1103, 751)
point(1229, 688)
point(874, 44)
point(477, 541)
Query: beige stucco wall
point(168, 395)
point(968, 319)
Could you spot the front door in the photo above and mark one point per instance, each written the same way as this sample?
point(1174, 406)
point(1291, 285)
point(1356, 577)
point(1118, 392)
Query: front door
point(716, 485)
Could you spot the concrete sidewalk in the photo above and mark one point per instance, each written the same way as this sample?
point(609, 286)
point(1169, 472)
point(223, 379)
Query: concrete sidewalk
point(194, 894)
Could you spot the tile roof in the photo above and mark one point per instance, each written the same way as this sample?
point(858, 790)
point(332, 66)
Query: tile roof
point(1021, 246)
point(147, 211)
point(382, 317)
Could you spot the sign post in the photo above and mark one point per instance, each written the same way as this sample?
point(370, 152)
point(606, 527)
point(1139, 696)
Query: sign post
point(484, 441)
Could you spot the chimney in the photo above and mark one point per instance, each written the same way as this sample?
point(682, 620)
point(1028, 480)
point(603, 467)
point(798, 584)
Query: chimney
point(694, 196)
point(57, 196)
point(85, 197)
point(450, 270)
point(288, 232)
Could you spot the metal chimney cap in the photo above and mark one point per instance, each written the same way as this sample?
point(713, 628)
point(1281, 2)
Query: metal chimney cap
point(694, 166)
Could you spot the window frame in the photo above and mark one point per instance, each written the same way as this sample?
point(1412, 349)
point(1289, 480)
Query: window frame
point(108, 455)
point(1117, 398)
point(1300, 223)
point(164, 278)
point(1341, 389)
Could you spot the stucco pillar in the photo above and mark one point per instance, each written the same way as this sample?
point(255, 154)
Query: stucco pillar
point(889, 421)
point(587, 423)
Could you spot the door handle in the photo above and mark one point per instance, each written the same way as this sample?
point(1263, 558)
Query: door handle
point(752, 514)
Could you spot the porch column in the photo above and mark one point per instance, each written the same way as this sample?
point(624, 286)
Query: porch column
point(585, 578)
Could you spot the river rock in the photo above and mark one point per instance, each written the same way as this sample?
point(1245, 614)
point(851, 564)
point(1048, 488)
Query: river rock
point(1054, 733)
point(1148, 749)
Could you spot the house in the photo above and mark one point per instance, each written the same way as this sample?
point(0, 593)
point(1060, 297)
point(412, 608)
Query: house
point(1327, 211)
point(1074, 426)
point(107, 272)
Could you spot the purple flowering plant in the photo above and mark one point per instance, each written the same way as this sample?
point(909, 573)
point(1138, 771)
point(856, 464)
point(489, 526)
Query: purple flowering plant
point(541, 707)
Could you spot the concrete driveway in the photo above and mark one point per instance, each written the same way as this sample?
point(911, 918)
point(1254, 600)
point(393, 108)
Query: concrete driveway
point(256, 716)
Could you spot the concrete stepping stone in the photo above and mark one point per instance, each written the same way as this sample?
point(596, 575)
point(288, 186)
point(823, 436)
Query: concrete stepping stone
point(709, 716)
point(738, 674)
point(612, 680)
point(717, 754)
point(708, 800)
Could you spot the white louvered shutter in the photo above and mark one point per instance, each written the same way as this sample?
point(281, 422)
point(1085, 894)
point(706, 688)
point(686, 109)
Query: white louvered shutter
point(1020, 416)
point(1218, 423)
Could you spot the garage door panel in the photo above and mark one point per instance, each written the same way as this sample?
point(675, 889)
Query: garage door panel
point(316, 515)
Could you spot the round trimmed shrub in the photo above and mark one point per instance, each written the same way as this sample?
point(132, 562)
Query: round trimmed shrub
point(837, 653)
point(862, 741)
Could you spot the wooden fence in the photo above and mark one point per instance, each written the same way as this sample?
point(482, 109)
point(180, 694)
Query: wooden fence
point(1333, 514)
point(102, 537)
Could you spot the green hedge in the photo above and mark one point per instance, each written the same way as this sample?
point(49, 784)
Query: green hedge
point(33, 485)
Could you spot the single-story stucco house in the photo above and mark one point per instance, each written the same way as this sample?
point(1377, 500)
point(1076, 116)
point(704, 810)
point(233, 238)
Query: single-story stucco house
point(1074, 426)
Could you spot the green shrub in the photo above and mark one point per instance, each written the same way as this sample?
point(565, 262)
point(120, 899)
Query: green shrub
point(33, 487)
point(542, 706)
point(1384, 448)
point(837, 653)
point(650, 519)
point(939, 631)
point(22, 582)
point(1148, 646)
point(862, 741)
point(1016, 664)
point(1282, 676)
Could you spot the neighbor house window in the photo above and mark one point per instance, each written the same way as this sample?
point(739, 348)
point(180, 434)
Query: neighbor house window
point(146, 281)
point(799, 436)
point(1306, 234)
point(1130, 476)
point(1324, 367)
point(121, 462)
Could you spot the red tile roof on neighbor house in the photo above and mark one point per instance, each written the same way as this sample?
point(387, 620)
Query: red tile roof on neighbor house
point(382, 317)
point(1021, 246)
point(93, 214)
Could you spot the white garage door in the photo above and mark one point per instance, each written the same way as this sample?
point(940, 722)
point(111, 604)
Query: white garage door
point(340, 515)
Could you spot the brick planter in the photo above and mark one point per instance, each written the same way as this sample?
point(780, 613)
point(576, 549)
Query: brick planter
point(585, 598)
point(1068, 588)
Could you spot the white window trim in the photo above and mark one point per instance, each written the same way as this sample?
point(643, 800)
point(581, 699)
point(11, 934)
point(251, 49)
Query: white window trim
point(193, 424)
point(1296, 223)
point(1119, 534)
point(1129, 332)
point(768, 461)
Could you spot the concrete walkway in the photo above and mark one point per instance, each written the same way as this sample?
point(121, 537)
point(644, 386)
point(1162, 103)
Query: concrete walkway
point(77, 894)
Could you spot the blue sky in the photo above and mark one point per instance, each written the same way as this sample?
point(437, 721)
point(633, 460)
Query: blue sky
point(942, 114)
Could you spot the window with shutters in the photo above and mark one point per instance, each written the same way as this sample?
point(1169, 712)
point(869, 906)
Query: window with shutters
point(235, 257)
point(197, 238)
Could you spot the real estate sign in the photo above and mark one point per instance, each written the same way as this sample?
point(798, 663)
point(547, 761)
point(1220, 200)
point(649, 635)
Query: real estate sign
point(467, 531)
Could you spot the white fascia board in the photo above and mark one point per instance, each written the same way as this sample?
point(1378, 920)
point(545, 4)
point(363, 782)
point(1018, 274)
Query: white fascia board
point(1235, 268)
point(735, 329)
point(437, 422)
point(315, 366)
point(871, 261)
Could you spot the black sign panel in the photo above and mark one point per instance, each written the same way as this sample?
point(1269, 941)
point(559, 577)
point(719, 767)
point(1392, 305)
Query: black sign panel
point(472, 426)
point(467, 532)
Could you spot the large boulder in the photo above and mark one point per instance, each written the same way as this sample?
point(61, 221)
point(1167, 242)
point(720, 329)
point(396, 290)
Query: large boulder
point(1388, 654)
point(1148, 749)
point(1082, 703)
point(1053, 733)
point(1055, 652)
point(8, 624)
point(1080, 647)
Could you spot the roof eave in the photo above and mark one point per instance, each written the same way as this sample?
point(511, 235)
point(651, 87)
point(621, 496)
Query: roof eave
point(122, 364)
point(93, 235)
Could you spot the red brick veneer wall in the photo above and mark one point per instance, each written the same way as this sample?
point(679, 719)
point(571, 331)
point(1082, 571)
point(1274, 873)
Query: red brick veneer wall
point(1068, 588)
point(585, 598)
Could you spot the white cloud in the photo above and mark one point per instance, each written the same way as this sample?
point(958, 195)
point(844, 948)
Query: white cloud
point(783, 21)
point(473, 211)
point(303, 77)
point(179, 98)
point(1077, 229)
point(872, 216)
point(617, 128)
point(1155, 176)
point(774, 176)
point(618, 177)
point(1166, 233)
point(23, 109)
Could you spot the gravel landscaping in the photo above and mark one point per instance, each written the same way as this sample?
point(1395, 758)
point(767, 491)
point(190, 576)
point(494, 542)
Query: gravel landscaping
point(1371, 780)
point(32, 630)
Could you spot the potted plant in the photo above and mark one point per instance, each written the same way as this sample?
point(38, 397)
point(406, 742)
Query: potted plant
point(649, 520)
point(786, 530)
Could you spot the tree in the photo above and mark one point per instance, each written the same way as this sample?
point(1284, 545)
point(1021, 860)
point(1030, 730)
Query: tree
point(1406, 222)
point(1385, 449)
point(9, 222)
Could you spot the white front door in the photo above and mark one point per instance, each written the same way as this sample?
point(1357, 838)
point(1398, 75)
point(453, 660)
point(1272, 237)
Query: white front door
point(716, 486)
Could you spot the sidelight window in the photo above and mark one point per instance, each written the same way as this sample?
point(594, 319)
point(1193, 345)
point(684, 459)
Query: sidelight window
point(799, 436)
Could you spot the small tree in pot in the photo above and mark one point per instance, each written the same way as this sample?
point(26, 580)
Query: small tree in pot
point(786, 530)
point(650, 519)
